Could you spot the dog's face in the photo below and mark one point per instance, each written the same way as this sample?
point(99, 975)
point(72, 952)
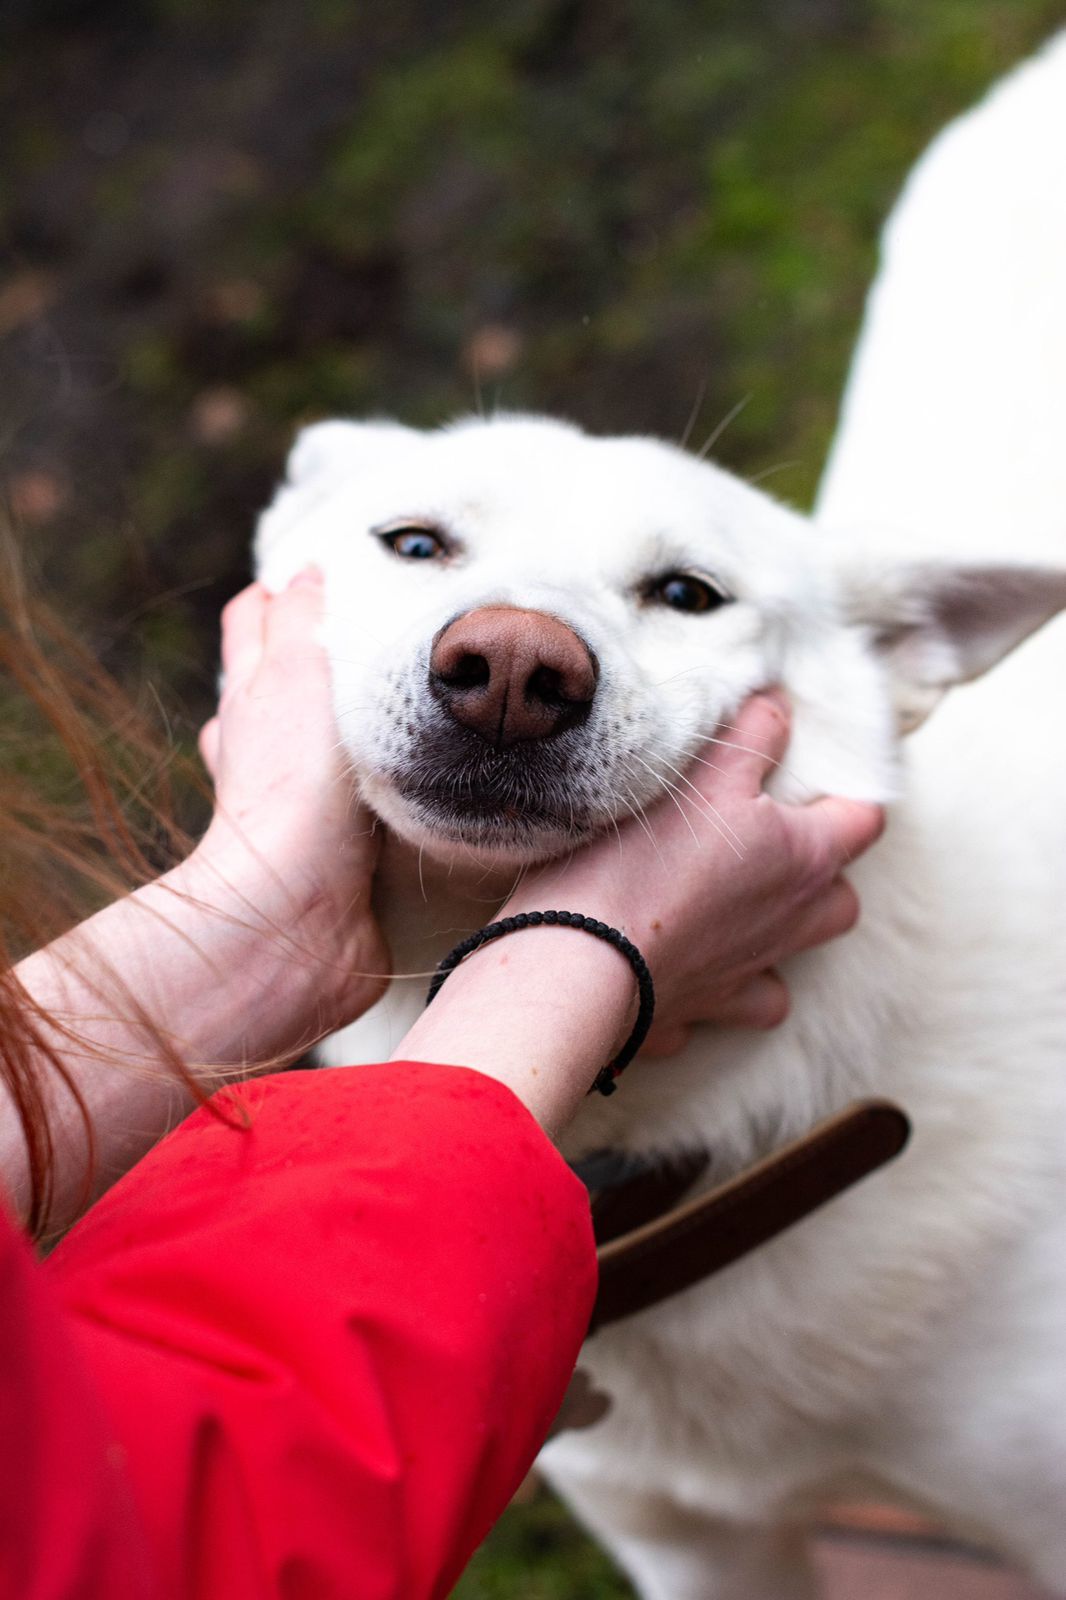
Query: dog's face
point(532, 631)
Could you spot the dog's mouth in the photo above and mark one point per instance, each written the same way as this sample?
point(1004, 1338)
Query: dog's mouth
point(496, 817)
point(511, 799)
point(477, 818)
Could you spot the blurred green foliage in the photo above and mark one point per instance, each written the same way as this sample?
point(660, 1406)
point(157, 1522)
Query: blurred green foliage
point(220, 218)
point(536, 1553)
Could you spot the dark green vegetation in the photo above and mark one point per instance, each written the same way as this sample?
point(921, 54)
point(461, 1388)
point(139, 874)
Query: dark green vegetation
point(221, 217)
point(536, 1553)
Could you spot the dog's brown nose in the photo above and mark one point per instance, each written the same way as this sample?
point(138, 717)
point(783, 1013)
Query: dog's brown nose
point(510, 675)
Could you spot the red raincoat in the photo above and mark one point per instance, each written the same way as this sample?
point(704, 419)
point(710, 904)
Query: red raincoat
point(310, 1359)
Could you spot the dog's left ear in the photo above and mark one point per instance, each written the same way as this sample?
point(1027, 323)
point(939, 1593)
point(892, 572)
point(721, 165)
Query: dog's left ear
point(937, 625)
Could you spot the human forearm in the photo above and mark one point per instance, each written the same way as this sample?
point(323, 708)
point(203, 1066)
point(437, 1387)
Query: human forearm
point(219, 965)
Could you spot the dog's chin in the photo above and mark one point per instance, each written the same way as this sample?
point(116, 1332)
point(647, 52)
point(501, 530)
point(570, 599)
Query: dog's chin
point(478, 829)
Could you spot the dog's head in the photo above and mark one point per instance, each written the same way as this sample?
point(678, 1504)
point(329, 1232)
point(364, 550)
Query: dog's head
point(532, 631)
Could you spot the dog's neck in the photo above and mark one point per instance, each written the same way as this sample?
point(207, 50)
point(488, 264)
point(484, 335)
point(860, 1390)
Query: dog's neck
point(429, 905)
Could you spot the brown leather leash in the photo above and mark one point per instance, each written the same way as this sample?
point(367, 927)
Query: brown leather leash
point(645, 1258)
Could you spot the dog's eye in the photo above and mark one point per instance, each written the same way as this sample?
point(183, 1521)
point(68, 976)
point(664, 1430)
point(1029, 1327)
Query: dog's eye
point(414, 543)
point(688, 591)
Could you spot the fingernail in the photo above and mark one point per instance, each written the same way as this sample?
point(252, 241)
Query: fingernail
point(777, 697)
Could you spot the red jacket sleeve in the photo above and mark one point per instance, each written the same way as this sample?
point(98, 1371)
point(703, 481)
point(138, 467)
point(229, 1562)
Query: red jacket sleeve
point(325, 1346)
point(69, 1526)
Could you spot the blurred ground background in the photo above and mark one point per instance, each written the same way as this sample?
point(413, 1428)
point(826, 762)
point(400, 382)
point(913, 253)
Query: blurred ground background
point(220, 218)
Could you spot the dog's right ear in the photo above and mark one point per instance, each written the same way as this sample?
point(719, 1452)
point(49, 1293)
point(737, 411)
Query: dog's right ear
point(331, 449)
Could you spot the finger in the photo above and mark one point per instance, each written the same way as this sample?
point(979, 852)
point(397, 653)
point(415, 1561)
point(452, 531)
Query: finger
point(834, 913)
point(762, 1002)
point(208, 743)
point(840, 829)
point(293, 615)
point(665, 1039)
point(746, 752)
point(242, 633)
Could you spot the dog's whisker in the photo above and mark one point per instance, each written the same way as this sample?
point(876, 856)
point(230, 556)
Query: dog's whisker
point(768, 472)
point(699, 666)
point(716, 433)
point(788, 772)
point(519, 879)
point(702, 798)
point(693, 414)
point(706, 810)
point(617, 829)
point(731, 727)
point(712, 765)
point(638, 815)
point(678, 795)
point(673, 792)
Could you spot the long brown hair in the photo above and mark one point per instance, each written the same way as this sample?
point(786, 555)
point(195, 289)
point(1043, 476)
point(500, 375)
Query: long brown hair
point(86, 814)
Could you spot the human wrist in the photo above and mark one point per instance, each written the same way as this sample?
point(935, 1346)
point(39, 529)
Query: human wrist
point(311, 959)
point(542, 1011)
point(547, 890)
point(606, 1079)
point(230, 864)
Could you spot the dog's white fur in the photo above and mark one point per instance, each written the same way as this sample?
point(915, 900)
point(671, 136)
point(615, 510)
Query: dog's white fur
point(911, 1336)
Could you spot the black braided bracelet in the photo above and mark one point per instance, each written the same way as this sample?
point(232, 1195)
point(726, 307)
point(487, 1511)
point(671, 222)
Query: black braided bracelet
point(605, 1078)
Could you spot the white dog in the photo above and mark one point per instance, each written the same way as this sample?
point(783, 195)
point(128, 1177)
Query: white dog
point(911, 1336)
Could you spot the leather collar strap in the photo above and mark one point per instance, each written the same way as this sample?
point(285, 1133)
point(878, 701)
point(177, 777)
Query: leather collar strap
point(629, 1190)
point(679, 1248)
point(672, 1252)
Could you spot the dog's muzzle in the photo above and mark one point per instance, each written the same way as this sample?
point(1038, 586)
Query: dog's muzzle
point(499, 759)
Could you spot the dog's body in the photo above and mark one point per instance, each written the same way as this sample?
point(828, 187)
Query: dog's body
point(912, 1334)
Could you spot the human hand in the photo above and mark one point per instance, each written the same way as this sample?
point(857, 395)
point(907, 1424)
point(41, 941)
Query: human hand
point(288, 826)
point(717, 889)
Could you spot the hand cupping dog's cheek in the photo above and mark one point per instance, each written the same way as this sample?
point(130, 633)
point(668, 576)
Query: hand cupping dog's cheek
point(717, 894)
point(287, 825)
